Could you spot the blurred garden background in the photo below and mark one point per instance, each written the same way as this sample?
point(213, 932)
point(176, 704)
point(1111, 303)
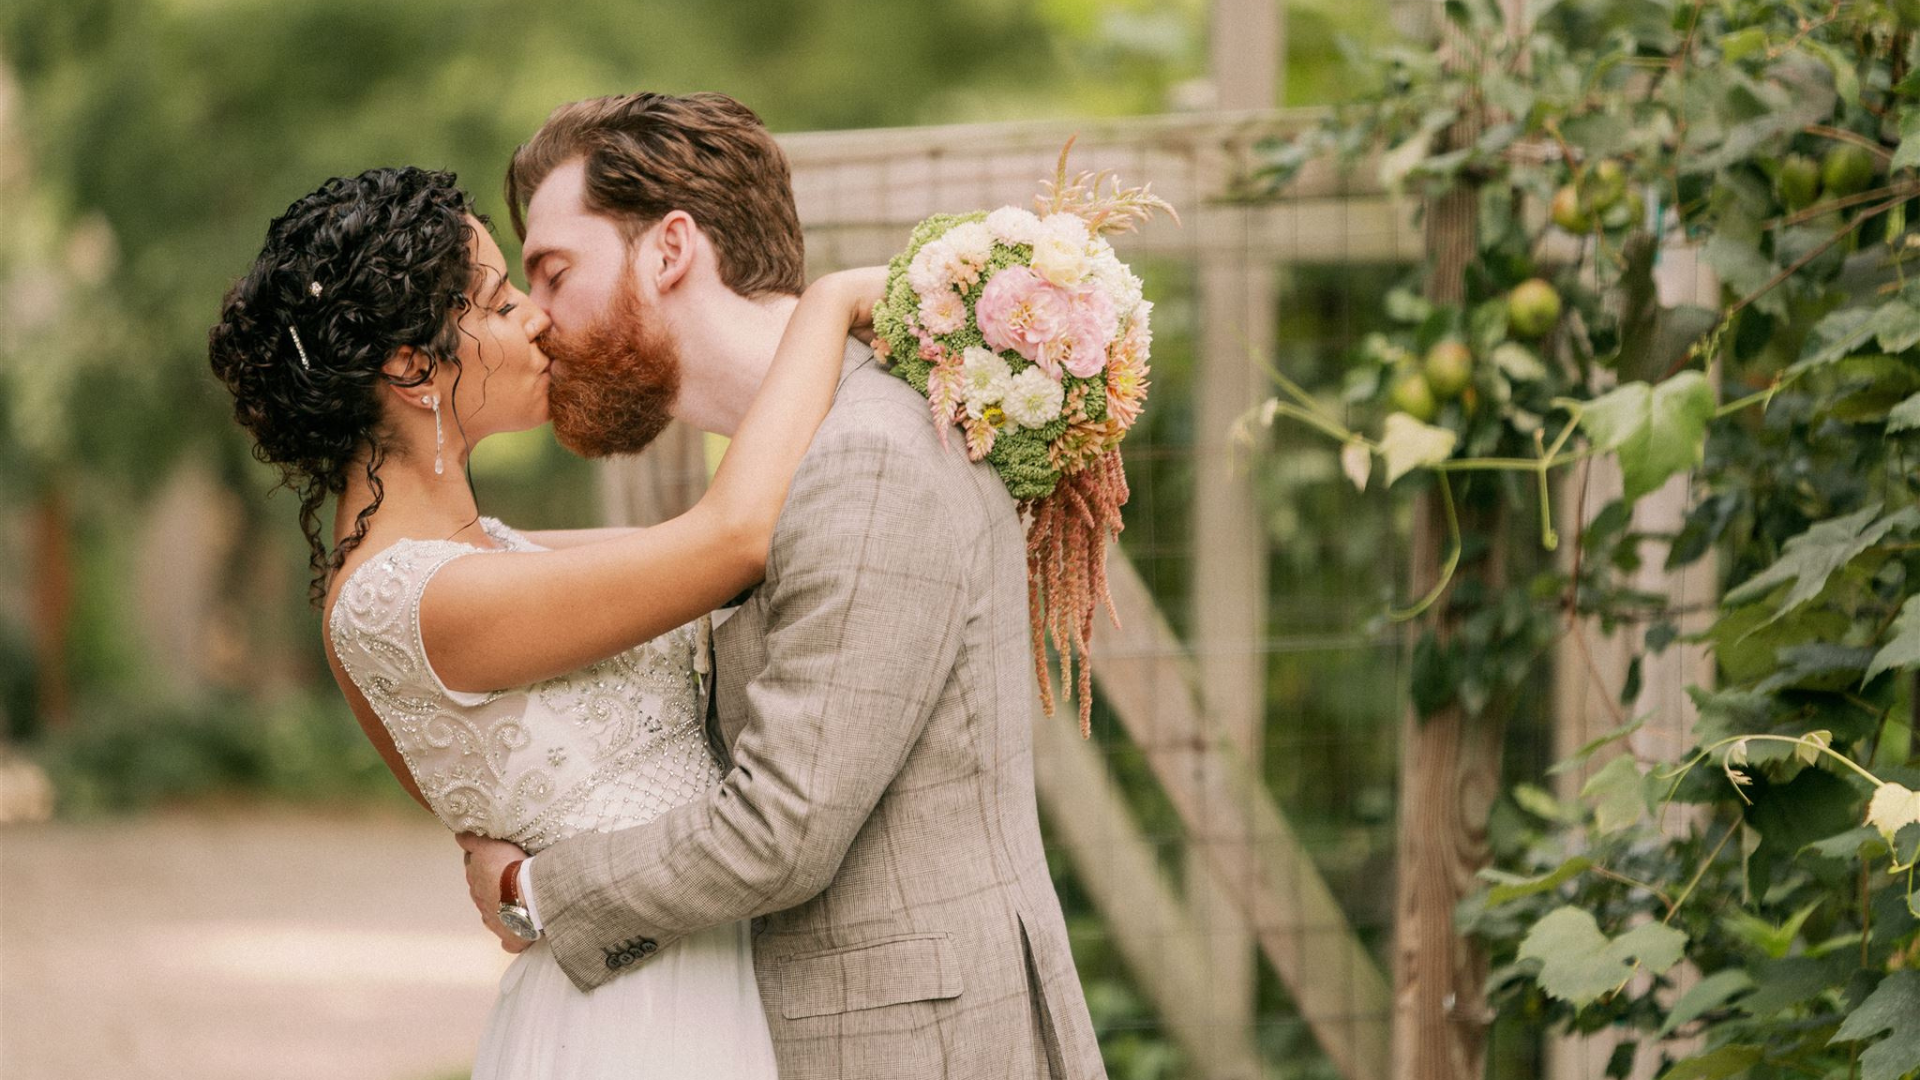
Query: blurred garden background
point(157, 657)
point(1315, 814)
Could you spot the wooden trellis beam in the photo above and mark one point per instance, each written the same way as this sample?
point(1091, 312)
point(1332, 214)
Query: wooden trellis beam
point(1150, 925)
point(1232, 822)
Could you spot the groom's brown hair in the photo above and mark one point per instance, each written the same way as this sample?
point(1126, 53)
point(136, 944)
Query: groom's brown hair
point(649, 154)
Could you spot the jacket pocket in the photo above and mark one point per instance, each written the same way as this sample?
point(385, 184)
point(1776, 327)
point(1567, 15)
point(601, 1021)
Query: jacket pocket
point(870, 975)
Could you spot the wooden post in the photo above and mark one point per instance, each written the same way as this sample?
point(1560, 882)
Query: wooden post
point(1229, 608)
point(1450, 762)
point(52, 589)
point(1591, 668)
point(187, 548)
point(1248, 53)
point(1449, 775)
point(1449, 771)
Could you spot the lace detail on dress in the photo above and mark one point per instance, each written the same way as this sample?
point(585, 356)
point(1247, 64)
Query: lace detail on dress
point(614, 744)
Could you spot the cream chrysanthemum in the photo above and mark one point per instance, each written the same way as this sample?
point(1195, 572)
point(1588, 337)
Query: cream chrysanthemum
point(1033, 399)
point(984, 378)
point(927, 272)
point(1011, 225)
point(971, 242)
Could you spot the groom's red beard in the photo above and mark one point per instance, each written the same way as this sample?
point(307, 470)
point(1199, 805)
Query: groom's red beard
point(617, 381)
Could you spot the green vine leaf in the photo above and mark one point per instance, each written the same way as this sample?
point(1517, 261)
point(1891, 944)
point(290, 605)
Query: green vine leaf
point(1835, 337)
point(1782, 984)
point(1656, 430)
point(1619, 794)
point(1896, 326)
point(1894, 807)
point(1812, 557)
point(1905, 416)
point(1579, 964)
point(1857, 843)
point(1745, 270)
point(1903, 649)
point(1510, 887)
point(1717, 1064)
point(1706, 995)
point(1409, 444)
point(1846, 80)
point(1890, 1008)
point(1743, 43)
point(1908, 154)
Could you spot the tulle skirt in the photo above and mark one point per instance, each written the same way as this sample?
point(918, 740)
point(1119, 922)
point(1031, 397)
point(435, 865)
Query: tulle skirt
point(692, 1010)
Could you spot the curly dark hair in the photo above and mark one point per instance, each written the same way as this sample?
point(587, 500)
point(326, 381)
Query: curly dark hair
point(390, 253)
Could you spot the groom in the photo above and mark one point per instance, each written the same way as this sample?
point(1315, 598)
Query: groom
point(874, 695)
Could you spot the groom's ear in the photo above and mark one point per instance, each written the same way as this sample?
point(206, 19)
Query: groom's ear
point(676, 244)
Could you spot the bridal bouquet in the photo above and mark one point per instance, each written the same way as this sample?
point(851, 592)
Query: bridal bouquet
point(1025, 331)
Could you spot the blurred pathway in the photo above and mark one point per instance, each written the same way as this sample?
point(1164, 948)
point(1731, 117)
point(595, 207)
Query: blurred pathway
point(239, 945)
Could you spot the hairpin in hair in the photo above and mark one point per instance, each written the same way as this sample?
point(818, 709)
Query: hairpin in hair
point(313, 288)
point(299, 348)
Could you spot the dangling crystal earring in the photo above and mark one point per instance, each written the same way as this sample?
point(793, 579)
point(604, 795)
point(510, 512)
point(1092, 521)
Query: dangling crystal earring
point(439, 441)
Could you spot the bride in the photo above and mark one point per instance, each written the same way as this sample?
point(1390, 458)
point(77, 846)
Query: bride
point(524, 686)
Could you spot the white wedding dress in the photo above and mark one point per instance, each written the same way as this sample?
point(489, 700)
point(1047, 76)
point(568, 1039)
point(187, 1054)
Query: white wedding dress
point(612, 745)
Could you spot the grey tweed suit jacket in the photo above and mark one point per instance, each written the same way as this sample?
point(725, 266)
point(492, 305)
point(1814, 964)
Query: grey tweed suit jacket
point(876, 697)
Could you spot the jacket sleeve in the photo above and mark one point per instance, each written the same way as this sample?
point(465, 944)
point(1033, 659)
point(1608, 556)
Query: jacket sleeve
point(864, 620)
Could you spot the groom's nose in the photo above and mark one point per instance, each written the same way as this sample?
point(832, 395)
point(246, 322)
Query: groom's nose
point(537, 321)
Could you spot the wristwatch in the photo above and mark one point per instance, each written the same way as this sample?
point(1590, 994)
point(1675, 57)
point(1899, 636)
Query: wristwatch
point(513, 910)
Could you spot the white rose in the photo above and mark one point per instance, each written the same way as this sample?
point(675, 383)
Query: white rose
point(1012, 225)
point(1033, 400)
point(1060, 252)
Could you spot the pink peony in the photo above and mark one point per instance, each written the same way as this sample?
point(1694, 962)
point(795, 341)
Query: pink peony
point(1022, 311)
point(1090, 331)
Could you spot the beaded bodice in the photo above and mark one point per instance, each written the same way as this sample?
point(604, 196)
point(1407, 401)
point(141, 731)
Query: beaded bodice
point(614, 744)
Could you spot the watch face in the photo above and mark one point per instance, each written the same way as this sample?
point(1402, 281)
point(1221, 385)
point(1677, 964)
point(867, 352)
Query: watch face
point(519, 921)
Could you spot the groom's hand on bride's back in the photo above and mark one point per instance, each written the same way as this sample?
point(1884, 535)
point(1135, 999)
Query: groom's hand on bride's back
point(486, 858)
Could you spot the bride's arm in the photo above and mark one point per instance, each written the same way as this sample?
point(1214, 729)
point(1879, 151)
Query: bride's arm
point(557, 539)
point(505, 620)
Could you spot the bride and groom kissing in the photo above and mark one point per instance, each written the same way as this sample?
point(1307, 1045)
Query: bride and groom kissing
point(792, 834)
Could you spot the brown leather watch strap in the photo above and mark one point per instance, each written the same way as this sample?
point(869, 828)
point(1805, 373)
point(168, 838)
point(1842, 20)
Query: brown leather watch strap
point(510, 882)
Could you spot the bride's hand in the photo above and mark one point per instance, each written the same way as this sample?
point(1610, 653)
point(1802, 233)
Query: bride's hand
point(858, 290)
